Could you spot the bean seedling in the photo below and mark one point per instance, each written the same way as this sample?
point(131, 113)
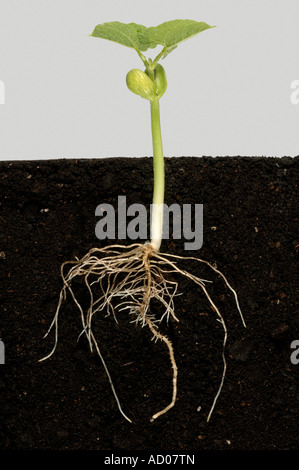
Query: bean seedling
point(129, 278)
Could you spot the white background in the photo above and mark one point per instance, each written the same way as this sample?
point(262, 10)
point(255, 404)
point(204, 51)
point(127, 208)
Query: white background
point(229, 88)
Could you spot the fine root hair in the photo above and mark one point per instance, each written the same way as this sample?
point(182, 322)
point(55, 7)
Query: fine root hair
point(127, 278)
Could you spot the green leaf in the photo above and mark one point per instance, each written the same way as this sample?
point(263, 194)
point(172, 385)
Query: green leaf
point(141, 38)
point(129, 35)
point(171, 33)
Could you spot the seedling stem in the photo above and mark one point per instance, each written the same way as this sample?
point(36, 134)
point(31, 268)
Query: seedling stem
point(159, 176)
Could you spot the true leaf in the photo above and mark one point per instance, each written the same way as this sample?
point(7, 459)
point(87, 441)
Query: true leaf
point(126, 34)
point(139, 37)
point(171, 33)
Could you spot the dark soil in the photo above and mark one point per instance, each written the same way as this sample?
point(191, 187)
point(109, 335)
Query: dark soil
point(47, 216)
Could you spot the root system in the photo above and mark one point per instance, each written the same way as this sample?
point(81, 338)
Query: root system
point(127, 278)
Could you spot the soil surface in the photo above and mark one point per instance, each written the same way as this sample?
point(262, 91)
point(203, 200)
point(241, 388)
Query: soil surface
point(250, 231)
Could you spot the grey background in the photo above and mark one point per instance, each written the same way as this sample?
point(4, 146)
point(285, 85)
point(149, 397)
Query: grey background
point(229, 88)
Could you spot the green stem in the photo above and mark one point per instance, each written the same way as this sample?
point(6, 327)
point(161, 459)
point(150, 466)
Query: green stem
point(142, 57)
point(159, 177)
point(156, 60)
